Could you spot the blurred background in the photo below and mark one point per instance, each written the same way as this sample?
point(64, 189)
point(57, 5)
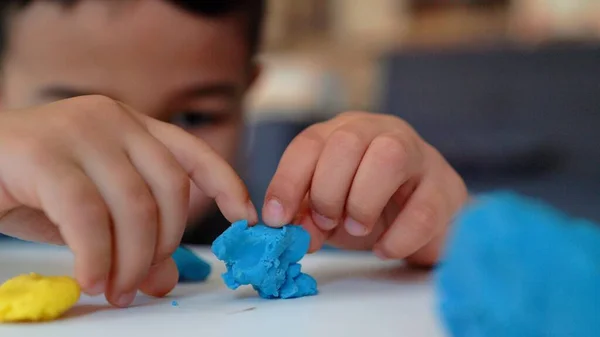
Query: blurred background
point(508, 91)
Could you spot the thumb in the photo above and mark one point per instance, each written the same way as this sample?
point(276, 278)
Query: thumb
point(30, 225)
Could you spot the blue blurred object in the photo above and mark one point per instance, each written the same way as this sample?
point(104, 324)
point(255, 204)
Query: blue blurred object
point(515, 266)
point(191, 267)
point(266, 258)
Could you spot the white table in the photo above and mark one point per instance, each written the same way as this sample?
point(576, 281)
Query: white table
point(359, 295)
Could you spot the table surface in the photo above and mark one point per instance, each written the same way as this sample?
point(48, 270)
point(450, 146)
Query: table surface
point(359, 295)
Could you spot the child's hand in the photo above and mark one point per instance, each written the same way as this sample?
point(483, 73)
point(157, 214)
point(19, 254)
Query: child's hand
point(366, 181)
point(113, 185)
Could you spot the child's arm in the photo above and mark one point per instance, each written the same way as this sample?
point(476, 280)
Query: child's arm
point(113, 185)
point(367, 181)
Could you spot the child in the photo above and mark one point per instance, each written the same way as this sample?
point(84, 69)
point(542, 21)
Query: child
point(112, 108)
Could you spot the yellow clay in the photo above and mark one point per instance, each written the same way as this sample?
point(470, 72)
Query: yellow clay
point(34, 297)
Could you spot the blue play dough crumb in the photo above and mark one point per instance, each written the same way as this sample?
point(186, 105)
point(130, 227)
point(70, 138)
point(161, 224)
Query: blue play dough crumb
point(266, 258)
point(174, 304)
point(514, 266)
point(191, 267)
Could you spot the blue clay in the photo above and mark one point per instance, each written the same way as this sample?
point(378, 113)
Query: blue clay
point(514, 266)
point(191, 267)
point(265, 258)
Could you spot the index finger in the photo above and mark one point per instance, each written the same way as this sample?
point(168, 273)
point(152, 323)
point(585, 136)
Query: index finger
point(209, 171)
point(293, 176)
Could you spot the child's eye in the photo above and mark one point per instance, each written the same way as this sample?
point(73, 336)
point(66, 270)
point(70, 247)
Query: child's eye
point(193, 119)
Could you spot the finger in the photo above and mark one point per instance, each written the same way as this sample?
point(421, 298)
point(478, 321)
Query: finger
point(304, 218)
point(424, 216)
point(170, 187)
point(292, 178)
point(211, 173)
point(342, 239)
point(74, 204)
point(318, 237)
point(23, 222)
point(335, 170)
point(161, 279)
point(134, 216)
point(388, 163)
point(30, 225)
point(430, 253)
point(457, 196)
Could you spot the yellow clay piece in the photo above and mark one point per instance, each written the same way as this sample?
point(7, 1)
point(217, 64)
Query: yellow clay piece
point(33, 297)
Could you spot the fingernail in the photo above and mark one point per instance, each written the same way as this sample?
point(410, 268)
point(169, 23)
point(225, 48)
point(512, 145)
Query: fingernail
point(97, 289)
point(125, 299)
point(323, 222)
point(354, 228)
point(274, 212)
point(252, 213)
point(380, 254)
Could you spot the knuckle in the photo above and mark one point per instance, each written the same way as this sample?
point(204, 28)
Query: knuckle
point(351, 114)
point(89, 112)
point(392, 150)
point(99, 101)
point(326, 206)
point(96, 108)
point(346, 140)
point(92, 104)
point(144, 207)
point(178, 182)
point(71, 122)
point(311, 138)
point(91, 207)
point(400, 123)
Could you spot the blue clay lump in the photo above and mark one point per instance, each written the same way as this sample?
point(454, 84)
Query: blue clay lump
point(265, 258)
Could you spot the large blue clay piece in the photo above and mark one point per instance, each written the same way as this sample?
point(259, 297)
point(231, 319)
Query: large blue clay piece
point(514, 266)
point(265, 258)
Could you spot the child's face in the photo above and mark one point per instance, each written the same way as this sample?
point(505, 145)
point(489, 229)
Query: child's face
point(156, 58)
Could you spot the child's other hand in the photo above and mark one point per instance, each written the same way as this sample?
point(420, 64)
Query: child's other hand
point(113, 185)
point(366, 181)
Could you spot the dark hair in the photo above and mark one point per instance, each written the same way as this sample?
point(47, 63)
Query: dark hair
point(252, 10)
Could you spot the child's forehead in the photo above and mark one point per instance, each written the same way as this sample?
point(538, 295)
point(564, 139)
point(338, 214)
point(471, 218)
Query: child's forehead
point(150, 31)
point(111, 20)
